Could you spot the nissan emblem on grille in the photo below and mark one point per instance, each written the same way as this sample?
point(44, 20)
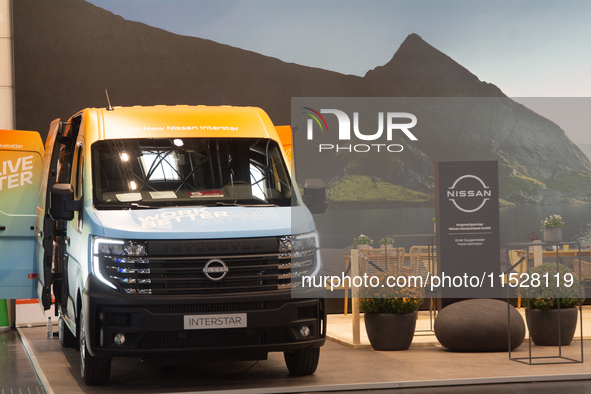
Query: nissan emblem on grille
point(216, 272)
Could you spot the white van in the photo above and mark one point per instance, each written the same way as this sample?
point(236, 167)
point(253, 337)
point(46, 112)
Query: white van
point(170, 232)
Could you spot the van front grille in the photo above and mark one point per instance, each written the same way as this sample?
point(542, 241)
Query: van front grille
point(207, 274)
point(216, 308)
point(214, 338)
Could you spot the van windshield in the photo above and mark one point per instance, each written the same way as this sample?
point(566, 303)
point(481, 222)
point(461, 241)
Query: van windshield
point(152, 173)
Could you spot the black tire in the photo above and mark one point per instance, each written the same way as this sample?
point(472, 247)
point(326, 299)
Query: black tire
point(94, 370)
point(302, 361)
point(67, 339)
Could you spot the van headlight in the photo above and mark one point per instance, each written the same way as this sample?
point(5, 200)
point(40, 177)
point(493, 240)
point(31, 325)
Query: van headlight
point(306, 244)
point(304, 251)
point(116, 261)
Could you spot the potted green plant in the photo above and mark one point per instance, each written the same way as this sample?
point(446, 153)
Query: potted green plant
point(552, 228)
point(553, 295)
point(391, 306)
point(386, 242)
point(362, 242)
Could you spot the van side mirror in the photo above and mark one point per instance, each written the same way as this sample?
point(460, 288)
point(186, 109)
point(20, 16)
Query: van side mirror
point(315, 195)
point(63, 205)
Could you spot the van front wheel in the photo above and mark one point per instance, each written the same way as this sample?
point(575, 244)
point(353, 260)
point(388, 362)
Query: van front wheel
point(302, 361)
point(94, 370)
point(67, 339)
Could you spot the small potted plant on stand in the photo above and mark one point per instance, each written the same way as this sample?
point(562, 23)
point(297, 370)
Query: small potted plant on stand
point(386, 242)
point(362, 242)
point(391, 311)
point(558, 288)
point(552, 228)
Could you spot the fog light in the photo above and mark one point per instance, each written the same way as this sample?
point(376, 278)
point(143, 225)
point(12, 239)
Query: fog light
point(304, 331)
point(119, 339)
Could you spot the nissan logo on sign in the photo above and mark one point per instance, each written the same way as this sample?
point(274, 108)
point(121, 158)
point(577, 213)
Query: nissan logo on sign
point(469, 193)
point(215, 269)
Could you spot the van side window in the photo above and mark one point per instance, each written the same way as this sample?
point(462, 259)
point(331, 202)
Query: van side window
point(66, 165)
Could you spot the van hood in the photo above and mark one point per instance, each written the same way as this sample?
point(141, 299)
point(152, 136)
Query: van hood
point(204, 222)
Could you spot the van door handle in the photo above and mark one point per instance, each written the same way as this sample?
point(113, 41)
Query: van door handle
point(2, 228)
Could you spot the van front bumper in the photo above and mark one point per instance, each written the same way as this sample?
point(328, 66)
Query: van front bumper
point(155, 325)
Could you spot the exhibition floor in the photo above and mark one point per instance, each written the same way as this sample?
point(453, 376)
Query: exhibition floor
point(341, 368)
point(17, 374)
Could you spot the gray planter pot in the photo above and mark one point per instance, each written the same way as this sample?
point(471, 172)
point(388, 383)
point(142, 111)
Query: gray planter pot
point(543, 326)
point(552, 234)
point(388, 331)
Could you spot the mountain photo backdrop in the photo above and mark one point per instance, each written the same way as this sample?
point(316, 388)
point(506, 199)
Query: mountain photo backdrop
point(68, 52)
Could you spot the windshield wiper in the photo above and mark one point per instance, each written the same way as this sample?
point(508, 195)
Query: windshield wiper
point(260, 205)
point(223, 204)
point(124, 206)
point(138, 206)
point(232, 204)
